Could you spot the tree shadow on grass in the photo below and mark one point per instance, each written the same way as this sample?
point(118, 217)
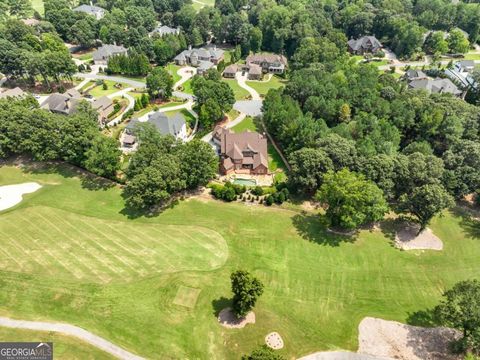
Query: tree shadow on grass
point(424, 318)
point(88, 180)
point(134, 213)
point(220, 304)
point(314, 228)
point(470, 221)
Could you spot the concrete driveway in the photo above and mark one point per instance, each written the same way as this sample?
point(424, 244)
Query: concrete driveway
point(249, 107)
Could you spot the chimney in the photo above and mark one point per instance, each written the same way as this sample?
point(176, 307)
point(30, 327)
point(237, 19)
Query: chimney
point(189, 47)
point(214, 47)
point(91, 3)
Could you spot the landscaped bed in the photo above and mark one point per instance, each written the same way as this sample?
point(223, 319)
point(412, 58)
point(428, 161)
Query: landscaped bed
point(85, 259)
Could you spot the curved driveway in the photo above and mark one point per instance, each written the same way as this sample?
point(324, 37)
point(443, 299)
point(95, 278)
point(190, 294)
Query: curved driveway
point(71, 330)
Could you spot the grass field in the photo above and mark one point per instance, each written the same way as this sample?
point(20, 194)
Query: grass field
point(98, 91)
point(246, 124)
point(262, 87)
point(318, 286)
point(172, 69)
point(239, 92)
point(64, 347)
point(37, 5)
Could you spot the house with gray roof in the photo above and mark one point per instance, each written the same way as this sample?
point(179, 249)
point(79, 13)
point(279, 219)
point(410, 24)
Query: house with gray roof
point(435, 86)
point(12, 93)
point(65, 103)
point(104, 107)
point(200, 58)
point(174, 125)
point(364, 45)
point(102, 54)
point(413, 74)
point(92, 10)
point(162, 30)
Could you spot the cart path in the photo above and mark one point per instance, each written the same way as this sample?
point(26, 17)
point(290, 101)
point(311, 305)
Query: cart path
point(71, 330)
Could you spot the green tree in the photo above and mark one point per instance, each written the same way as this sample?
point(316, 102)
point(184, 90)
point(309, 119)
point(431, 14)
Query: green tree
point(159, 83)
point(19, 8)
point(308, 166)
point(155, 184)
point(198, 163)
point(457, 42)
point(103, 157)
point(460, 309)
point(351, 200)
point(425, 202)
point(263, 353)
point(255, 39)
point(435, 43)
point(246, 291)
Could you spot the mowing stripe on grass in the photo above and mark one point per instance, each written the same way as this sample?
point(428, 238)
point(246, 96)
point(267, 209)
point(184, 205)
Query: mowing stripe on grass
point(49, 241)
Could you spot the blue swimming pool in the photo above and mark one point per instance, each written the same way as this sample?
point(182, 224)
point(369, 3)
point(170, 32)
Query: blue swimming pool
point(246, 182)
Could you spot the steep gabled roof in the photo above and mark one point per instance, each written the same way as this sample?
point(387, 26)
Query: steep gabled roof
point(107, 51)
point(89, 9)
point(365, 42)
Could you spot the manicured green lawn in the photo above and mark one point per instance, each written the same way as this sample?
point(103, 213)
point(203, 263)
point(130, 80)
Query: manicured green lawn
point(246, 124)
point(85, 56)
point(98, 91)
point(262, 87)
point(64, 347)
point(187, 87)
point(172, 69)
point(318, 286)
point(37, 5)
point(239, 92)
point(472, 56)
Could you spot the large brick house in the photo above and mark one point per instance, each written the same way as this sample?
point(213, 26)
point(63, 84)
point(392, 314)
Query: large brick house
point(241, 153)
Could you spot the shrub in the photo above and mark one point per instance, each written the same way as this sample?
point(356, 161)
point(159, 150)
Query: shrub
point(226, 193)
point(257, 190)
point(104, 86)
point(269, 200)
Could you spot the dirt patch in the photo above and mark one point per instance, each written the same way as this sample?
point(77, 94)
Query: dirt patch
point(407, 239)
point(227, 319)
point(395, 340)
point(274, 341)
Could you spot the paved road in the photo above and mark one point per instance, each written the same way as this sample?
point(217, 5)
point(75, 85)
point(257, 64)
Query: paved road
point(131, 104)
point(71, 330)
point(119, 79)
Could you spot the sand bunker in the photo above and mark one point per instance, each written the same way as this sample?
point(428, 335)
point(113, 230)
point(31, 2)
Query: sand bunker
point(274, 341)
point(395, 340)
point(11, 195)
point(227, 319)
point(341, 355)
point(407, 239)
point(390, 340)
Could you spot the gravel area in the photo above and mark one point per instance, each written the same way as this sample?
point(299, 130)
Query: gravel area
point(407, 239)
point(395, 340)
